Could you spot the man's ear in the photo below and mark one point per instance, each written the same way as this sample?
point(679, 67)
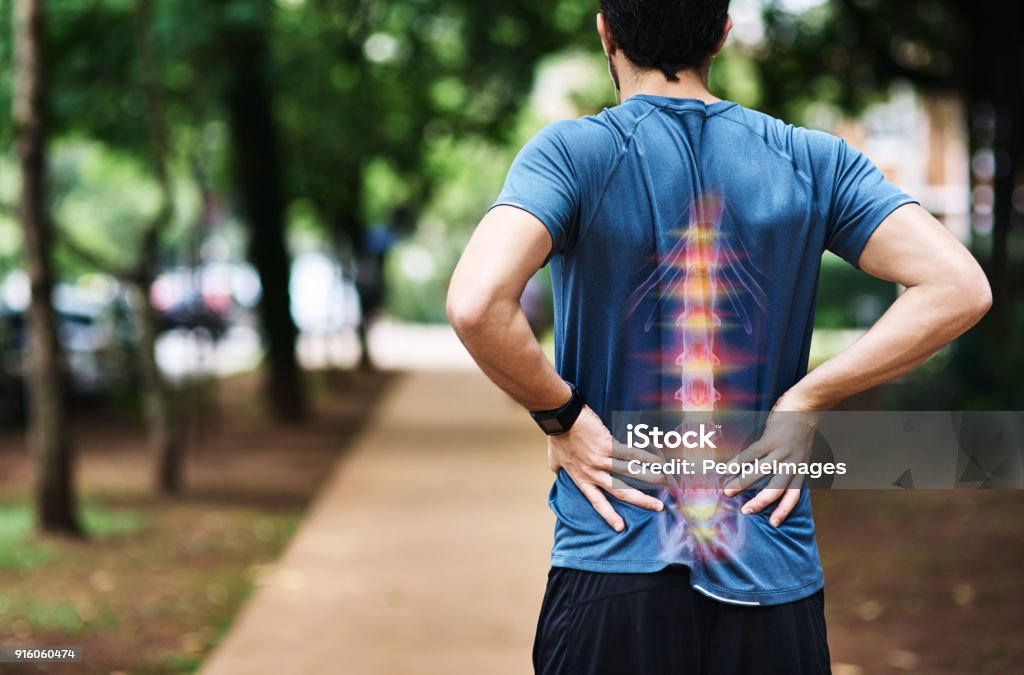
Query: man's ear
point(725, 35)
point(606, 36)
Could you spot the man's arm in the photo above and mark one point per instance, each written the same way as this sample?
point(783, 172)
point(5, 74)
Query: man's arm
point(946, 293)
point(506, 249)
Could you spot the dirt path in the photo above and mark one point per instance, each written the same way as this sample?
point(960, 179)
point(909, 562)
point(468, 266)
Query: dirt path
point(426, 551)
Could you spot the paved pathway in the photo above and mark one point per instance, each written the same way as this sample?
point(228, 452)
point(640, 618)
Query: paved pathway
point(425, 552)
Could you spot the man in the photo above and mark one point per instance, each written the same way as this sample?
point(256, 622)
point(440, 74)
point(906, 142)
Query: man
point(685, 234)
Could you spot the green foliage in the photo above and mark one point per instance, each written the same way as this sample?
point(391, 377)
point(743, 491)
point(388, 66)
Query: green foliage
point(392, 79)
point(6, 82)
point(20, 550)
point(369, 96)
point(93, 79)
point(735, 77)
point(416, 104)
point(473, 170)
point(845, 52)
point(10, 230)
point(101, 197)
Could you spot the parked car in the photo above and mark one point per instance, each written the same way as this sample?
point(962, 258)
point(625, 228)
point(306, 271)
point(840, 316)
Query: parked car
point(98, 339)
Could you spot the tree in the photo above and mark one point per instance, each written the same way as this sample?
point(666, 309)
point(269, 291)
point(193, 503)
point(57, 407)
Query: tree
point(49, 436)
point(210, 71)
point(257, 164)
point(312, 95)
point(128, 56)
point(162, 424)
point(164, 429)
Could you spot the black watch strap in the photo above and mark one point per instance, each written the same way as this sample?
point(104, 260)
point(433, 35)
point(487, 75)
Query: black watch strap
point(560, 420)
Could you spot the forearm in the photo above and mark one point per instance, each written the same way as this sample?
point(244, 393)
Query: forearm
point(916, 325)
point(500, 340)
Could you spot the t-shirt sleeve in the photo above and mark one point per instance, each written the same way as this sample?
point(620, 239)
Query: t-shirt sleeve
point(861, 199)
point(543, 182)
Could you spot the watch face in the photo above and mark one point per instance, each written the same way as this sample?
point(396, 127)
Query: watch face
point(551, 426)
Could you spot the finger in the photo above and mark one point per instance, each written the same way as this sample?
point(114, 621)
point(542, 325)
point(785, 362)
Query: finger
point(602, 506)
point(736, 484)
point(637, 498)
point(768, 494)
point(758, 448)
point(621, 470)
point(623, 451)
point(761, 500)
point(785, 507)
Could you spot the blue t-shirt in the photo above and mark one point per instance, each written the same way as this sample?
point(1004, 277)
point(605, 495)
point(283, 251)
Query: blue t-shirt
point(691, 233)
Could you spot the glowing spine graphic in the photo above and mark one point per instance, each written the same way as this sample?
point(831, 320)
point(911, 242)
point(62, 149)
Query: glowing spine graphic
point(699, 505)
point(701, 521)
point(698, 321)
point(705, 269)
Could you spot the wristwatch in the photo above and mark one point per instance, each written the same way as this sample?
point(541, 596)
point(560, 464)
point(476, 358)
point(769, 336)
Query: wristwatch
point(560, 420)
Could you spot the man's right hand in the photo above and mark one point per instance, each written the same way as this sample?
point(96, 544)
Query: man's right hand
point(585, 452)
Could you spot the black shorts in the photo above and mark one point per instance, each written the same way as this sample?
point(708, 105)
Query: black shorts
point(595, 623)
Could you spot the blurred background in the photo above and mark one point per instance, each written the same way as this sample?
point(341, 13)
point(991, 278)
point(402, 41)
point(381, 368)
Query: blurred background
point(239, 219)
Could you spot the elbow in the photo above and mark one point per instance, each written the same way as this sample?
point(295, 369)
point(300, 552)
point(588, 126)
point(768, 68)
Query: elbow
point(978, 295)
point(974, 295)
point(467, 311)
point(982, 298)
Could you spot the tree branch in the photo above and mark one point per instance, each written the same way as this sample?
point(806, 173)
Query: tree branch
point(89, 257)
point(150, 76)
point(149, 244)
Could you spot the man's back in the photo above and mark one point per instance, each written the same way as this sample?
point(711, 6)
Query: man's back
point(687, 243)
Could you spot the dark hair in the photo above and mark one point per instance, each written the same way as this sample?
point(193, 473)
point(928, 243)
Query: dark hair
point(666, 35)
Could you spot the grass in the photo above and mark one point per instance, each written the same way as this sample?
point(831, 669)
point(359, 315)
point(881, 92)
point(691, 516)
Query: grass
point(20, 550)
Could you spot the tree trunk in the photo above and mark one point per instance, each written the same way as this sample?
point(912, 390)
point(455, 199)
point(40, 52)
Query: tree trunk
point(348, 232)
point(49, 437)
point(162, 427)
point(995, 90)
point(162, 424)
point(258, 171)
